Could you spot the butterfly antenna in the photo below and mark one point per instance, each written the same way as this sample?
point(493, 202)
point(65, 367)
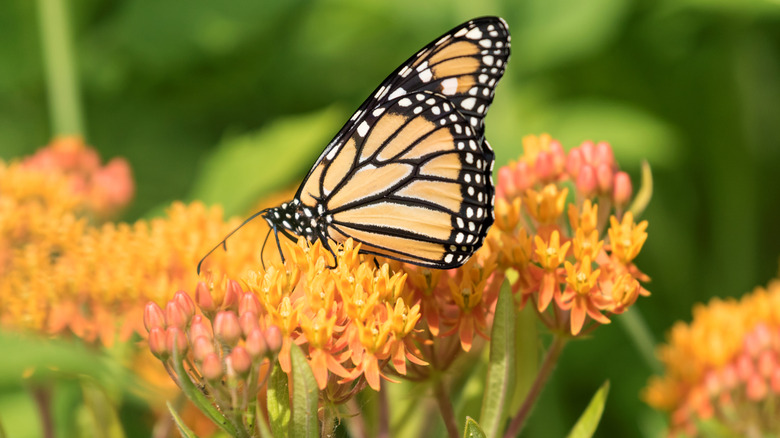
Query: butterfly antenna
point(223, 243)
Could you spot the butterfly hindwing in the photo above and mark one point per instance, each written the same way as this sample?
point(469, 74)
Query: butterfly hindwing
point(415, 186)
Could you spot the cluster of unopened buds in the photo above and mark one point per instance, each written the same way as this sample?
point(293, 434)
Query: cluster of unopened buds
point(578, 254)
point(222, 345)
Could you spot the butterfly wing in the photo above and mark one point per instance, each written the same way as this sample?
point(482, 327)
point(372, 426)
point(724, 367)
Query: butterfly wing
point(415, 185)
point(463, 65)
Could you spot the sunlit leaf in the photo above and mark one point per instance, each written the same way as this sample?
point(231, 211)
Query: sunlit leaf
point(473, 430)
point(305, 396)
point(589, 420)
point(278, 399)
point(185, 431)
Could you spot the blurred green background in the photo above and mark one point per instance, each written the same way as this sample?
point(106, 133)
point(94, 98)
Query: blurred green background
point(227, 101)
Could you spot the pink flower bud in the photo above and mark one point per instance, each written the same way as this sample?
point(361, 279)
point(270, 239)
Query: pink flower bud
point(767, 362)
point(574, 162)
point(712, 383)
point(745, 367)
point(273, 338)
point(176, 340)
point(524, 177)
point(233, 293)
point(729, 376)
point(588, 152)
point(622, 189)
point(153, 316)
point(604, 154)
point(249, 303)
point(204, 299)
point(255, 344)
point(175, 315)
point(604, 178)
point(756, 388)
point(185, 303)
point(211, 367)
point(226, 327)
point(201, 348)
point(544, 168)
point(774, 381)
point(199, 328)
point(157, 343)
point(248, 322)
point(558, 157)
point(506, 184)
point(586, 181)
point(240, 361)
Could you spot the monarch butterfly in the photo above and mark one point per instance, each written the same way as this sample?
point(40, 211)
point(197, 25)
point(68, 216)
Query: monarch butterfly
point(410, 174)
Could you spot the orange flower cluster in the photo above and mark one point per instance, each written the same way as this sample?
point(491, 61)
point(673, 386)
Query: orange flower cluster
point(573, 259)
point(723, 367)
point(60, 273)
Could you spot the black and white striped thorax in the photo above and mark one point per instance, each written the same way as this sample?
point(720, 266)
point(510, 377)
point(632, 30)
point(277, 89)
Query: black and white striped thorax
point(293, 216)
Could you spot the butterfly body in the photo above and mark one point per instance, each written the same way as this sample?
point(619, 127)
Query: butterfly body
point(409, 176)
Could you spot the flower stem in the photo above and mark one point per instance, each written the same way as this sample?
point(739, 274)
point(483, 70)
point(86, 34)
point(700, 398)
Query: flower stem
point(384, 415)
point(61, 79)
point(550, 359)
point(445, 406)
point(42, 397)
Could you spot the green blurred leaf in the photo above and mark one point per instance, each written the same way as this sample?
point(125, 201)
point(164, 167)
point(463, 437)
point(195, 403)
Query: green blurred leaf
point(473, 430)
point(247, 167)
point(103, 419)
point(305, 396)
point(589, 420)
point(645, 192)
point(501, 365)
point(278, 399)
point(526, 354)
point(185, 431)
point(712, 428)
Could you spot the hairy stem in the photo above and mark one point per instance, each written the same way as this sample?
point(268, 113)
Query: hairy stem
point(445, 406)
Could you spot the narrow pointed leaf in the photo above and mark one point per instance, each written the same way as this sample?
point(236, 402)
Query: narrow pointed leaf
point(278, 398)
point(526, 355)
point(185, 431)
point(589, 420)
point(473, 430)
point(200, 400)
point(645, 193)
point(305, 396)
point(501, 364)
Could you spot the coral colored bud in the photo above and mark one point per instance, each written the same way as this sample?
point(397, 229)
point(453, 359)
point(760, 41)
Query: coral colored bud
point(211, 367)
point(248, 322)
point(202, 347)
point(712, 383)
point(240, 361)
point(558, 156)
point(604, 154)
point(273, 338)
point(586, 181)
point(588, 152)
point(176, 340)
point(756, 388)
point(204, 299)
point(524, 178)
point(255, 344)
point(544, 168)
point(232, 295)
point(622, 189)
point(766, 364)
point(506, 183)
point(185, 302)
point(157, 343)
point(153, 316)
point(604, 178)
point(226, 327)
point(574, 162)
point(249, 303)
point(763, 335)
point(729, 376)
point(774, 381)
point(199, 328)
point(175, 315)
point(745, 367)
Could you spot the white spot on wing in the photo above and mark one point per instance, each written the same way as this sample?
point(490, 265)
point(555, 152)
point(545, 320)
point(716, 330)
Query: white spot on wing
point(426, 75)
point(404, 102)
point(378, 112)
point(449, 86)
point(474, 34)
point(398, 92)
point(362, 130)
point(468, 103)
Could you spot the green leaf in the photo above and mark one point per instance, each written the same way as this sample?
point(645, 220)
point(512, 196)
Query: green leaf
point(501, 364)
point(246, 167)
point(103, 418)
point(185, 431)
point(645, 192)
point(473, 430)
point(278, 399)
point(305, 396)
point(200, 400)
point(589, 420)
point(526, 355)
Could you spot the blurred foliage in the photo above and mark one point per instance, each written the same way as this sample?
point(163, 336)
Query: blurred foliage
point(229, 98)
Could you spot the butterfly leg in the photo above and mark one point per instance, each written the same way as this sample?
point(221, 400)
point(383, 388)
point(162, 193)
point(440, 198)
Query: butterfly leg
point(326, 244)
point(278, 244)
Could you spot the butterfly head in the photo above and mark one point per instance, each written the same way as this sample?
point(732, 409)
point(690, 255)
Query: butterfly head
point(295, 217)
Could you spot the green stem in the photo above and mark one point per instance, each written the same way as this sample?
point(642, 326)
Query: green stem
point(637, 330)
point(58, 56)
point(445, 406)
point(550, 359)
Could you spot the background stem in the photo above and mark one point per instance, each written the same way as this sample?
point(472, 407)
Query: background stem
point(58, 58)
